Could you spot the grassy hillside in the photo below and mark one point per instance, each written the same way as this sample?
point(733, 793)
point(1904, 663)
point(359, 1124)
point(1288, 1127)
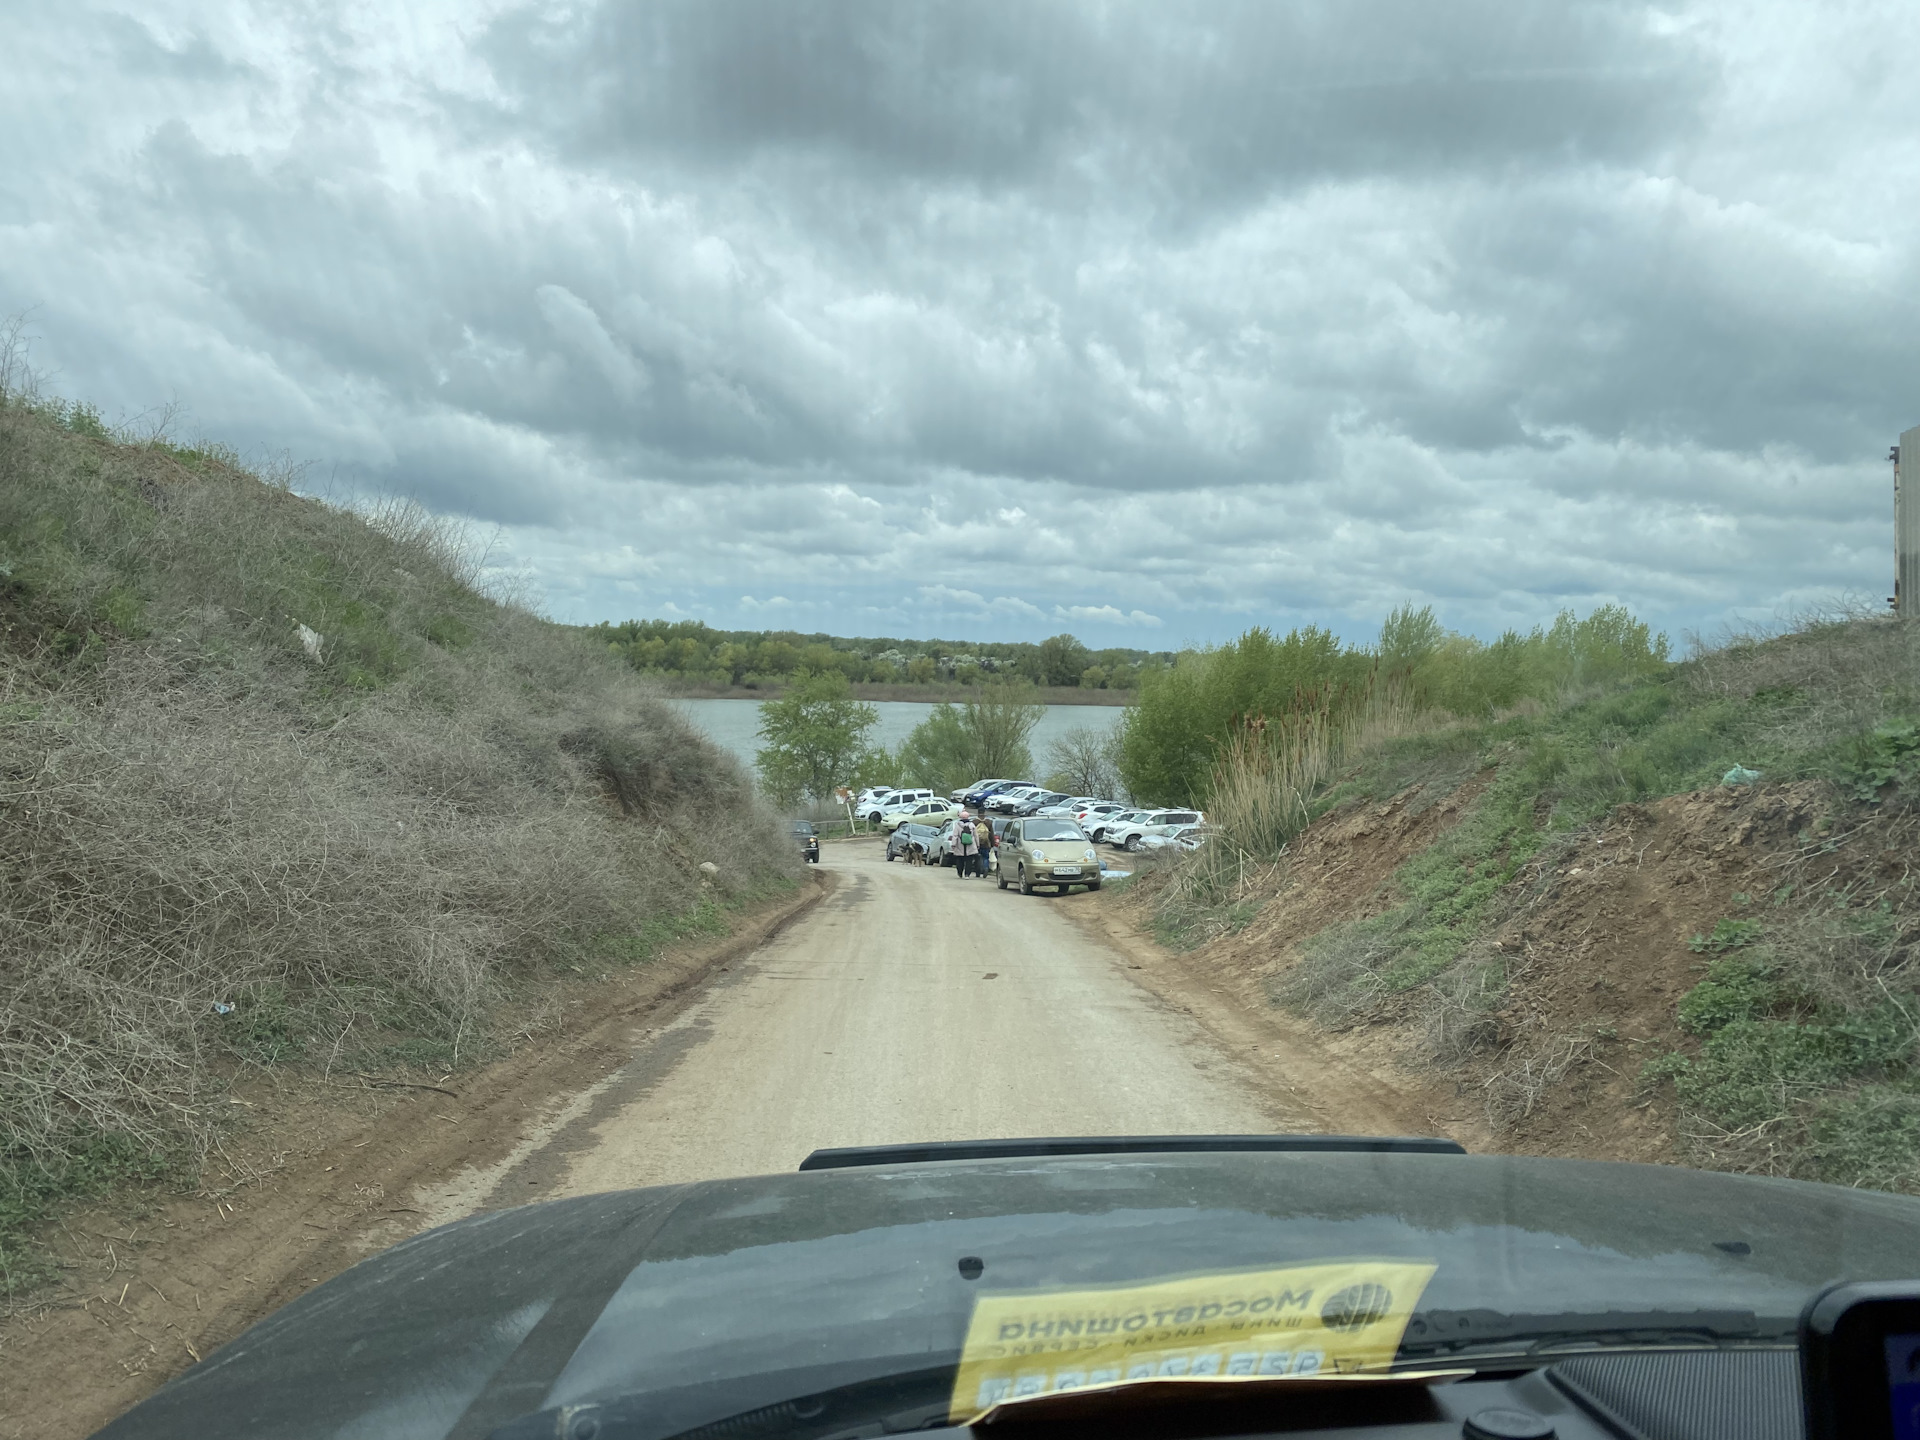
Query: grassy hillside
point(1506, 941)
point(279, 783)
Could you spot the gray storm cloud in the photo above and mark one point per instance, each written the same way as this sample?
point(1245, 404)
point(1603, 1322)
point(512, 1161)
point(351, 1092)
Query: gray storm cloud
point(1134, 319)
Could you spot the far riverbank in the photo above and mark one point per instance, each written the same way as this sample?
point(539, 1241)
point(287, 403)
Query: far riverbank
point(913, 694)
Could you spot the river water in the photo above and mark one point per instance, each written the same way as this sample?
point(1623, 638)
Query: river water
point(733, 724)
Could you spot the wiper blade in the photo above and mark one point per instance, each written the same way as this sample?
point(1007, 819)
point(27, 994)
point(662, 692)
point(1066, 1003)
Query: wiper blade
point(1450, 1332)
point(886, 1405)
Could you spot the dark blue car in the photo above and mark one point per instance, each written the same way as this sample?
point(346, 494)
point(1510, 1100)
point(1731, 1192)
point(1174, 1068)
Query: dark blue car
point(976, 798)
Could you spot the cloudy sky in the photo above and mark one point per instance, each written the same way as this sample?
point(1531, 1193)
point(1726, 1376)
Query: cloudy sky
point(1150, 321)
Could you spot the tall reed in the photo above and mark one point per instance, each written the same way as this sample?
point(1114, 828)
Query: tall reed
point(1269, 768)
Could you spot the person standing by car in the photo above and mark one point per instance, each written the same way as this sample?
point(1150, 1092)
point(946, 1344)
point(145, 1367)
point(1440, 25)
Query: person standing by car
point(983, 845)
point(961, 842)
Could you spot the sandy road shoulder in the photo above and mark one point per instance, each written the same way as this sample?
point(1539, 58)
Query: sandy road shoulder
point(1304, 1072)
point(323, 1174)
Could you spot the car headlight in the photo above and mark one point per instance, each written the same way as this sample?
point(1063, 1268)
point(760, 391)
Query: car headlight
point(1039, 857)
point(1089, 855)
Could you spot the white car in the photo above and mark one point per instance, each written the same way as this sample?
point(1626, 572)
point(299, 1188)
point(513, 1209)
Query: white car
point(895, 802)
point(872, 798)
point(1180, 837)
point(1068, 809)
point(1129, 834)
point(1010, 798)
point(1097, 826)
point(1094, 811)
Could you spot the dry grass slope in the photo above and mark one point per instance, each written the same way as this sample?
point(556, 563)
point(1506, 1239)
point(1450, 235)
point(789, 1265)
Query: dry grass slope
point(370, 855)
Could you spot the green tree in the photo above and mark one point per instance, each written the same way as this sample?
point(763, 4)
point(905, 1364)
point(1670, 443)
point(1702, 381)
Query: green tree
point(1181, 714)
point(815, 736)
point(1062, 658)
point(985, 735)
point(1000, 719)
point(1408, 637)
point(939, 751)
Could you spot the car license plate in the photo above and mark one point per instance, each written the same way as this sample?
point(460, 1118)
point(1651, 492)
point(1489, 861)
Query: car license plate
point(1066, 869)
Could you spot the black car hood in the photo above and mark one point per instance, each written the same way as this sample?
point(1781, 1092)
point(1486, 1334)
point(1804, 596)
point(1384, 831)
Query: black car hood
point(715, 1297)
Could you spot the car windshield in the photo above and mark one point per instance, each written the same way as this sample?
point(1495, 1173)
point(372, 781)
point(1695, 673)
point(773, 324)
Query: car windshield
point(1037, 831)
point(680, 1309)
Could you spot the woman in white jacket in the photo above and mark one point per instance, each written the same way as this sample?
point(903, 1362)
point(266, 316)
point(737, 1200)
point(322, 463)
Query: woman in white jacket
point(960, 845)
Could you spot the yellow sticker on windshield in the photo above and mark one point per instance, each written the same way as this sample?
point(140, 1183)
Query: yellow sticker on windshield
point(1338, 1318)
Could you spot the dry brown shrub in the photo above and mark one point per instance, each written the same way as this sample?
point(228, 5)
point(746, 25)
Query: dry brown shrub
point(456, 799)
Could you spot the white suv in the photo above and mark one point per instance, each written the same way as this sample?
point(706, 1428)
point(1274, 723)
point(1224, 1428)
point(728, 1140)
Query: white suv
point(892, 803)
point(1129, 833)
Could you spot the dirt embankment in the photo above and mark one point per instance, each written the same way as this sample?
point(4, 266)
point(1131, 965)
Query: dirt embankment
point(1340, 869)
point(321, 1171)
point(1593, 945)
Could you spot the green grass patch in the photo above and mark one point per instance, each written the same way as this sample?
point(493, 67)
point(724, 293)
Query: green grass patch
point(1182, 925)
point(1827, 1077)
point(1885, 760)
point(34, 1188)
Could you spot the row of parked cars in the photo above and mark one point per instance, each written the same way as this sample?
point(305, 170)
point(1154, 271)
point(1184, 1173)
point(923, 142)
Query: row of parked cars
point(1124, 827)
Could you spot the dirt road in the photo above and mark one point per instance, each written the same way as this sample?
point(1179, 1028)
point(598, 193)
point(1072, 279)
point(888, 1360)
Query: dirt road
point(904, 1005)
point(910, 1006)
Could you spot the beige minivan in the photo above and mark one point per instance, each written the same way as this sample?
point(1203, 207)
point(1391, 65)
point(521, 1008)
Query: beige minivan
point(1034, 852)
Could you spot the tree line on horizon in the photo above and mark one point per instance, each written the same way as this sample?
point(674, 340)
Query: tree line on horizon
point(693, 652)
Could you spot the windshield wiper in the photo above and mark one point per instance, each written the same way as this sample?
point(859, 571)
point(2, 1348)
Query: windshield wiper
point(886, 1405)
point(1450, 1332)
point(919, 1399)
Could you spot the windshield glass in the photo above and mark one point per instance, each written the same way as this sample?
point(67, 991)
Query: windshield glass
point(1522, 1249)
point(1038, 830)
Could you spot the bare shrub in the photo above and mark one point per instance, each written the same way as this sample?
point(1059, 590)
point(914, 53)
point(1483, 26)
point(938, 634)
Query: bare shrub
point(1514, 1090)
point(1835, 673)
point(1340, 979)
point(1457, 1014)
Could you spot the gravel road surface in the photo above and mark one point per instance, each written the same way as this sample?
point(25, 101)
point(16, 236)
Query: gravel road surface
point(909, 1006)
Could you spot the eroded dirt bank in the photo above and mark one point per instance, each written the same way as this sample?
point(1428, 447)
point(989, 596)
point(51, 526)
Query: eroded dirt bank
point(1596, 944)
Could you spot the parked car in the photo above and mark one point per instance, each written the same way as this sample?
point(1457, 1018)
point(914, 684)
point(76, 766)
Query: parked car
point(1047, 852)
point(960, 795)
point(1009, 799)
point(1180, 837)
point(1098, 827)
point(896, 802)
point(1034, 804)
point(926, 812)
point(1095, 811)
point(871, 798)
point(927, 837)
point(1068, 808)
point(1128, 834)
point(809, 840)
point(977, 797)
